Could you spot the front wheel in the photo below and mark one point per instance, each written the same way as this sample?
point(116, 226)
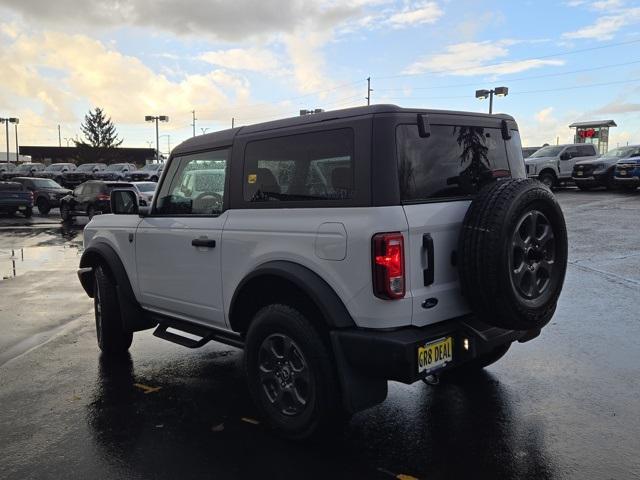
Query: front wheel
point(113, 338)
point(65, 213)
point(43, 206)
point(291, 373)
point(547, 179)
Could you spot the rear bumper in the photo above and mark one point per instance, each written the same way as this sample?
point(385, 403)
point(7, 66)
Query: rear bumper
point(393, 355)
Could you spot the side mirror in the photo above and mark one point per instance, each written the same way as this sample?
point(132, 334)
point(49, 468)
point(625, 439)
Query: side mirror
point(124, 202)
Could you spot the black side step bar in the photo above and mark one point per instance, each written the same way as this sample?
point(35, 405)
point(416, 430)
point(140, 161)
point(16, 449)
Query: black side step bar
point(206, 334)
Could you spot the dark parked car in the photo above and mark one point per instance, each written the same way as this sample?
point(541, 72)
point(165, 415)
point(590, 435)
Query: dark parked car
point(90, 198)
point(15, 198)
point(56, 170)
point(6, 168)
point(116, 171)
point(150, 172)
point(24, 170)
point(627, 173)
point(46, 193)
point(81, 174)
point(599, 172)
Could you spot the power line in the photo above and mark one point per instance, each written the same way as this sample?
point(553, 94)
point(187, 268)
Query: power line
point(517, 79)
point(507, 62)
point(511, 92)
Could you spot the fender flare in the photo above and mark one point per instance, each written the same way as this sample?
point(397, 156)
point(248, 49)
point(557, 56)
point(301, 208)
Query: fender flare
point(133, 316)
point(318, 290)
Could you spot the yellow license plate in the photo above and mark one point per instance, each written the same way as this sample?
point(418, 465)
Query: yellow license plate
point(435, 354)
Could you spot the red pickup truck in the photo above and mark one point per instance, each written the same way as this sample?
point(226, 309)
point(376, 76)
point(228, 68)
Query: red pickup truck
point(15, 198)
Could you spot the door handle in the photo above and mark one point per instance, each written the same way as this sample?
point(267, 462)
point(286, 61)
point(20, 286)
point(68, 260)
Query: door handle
point(203, 242)
point(429, 272)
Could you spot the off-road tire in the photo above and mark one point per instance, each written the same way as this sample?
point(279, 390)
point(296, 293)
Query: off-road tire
point(113, 338)
point(321, 413)
point(44, 207)
point(491, 245)
point(28, 213)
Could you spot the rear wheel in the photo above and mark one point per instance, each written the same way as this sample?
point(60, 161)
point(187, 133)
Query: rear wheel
point(291, 373)
point(28, 213)
point(113, 338)
point(43, 206)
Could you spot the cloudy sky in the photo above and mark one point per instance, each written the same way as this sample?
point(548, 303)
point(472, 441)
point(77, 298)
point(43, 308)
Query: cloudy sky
point(255, 60)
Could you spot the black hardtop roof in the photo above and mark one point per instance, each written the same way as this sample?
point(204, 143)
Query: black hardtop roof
point(225, 137)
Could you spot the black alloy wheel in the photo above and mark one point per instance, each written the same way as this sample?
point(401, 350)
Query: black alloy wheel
point(533, 255)
point(284, 375)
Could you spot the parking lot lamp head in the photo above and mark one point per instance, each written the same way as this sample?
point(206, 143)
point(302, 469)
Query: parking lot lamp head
point(482, 94)
point(501, 91)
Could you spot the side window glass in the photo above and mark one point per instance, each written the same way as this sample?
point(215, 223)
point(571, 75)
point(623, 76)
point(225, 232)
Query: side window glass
point(306, 167)
point(197, 187)
point(455, 161)
point(571, 152)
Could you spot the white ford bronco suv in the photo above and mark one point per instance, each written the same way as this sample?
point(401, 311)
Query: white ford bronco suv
point(340, 250)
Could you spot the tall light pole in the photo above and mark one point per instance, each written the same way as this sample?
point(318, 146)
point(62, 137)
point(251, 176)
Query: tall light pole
point(193, 112)
point(7, 121)
point(157, 118)
point(498, 91)
point(168, 143)
point(15, 124)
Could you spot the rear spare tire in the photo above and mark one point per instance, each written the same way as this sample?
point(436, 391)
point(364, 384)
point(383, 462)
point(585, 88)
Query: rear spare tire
point(513, 254)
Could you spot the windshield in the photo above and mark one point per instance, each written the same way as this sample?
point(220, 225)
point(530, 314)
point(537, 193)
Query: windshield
point(622, 152)
point(547, 152)
point(45, 183)
point(115, 167)
point(25, 167)
point(87, 167)
point(56, 167)
point(146, 186)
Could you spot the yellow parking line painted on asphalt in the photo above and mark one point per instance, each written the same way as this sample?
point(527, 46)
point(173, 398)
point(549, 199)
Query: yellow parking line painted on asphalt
point(146, 388)
point(250, 420)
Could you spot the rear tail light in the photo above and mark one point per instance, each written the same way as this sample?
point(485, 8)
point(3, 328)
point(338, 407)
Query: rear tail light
point(103, 196)
point(388, 266)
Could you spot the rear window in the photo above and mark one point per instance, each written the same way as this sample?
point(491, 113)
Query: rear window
point(310, 166)
point(455, 161)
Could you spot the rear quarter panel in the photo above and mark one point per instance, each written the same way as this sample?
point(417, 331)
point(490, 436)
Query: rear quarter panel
point(254, 237)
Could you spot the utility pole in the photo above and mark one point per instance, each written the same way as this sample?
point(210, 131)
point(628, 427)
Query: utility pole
point(369, 91)
point(6, 122)
point(156, 119)
point(193, 112)
point(59, 137)
point(232, 121)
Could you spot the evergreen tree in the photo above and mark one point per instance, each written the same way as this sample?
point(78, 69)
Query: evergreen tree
point(100, 139)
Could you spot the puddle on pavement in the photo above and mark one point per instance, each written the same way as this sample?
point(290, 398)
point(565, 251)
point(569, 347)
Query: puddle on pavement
point(39, 249)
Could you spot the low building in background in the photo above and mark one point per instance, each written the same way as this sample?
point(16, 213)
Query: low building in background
point(48, 155)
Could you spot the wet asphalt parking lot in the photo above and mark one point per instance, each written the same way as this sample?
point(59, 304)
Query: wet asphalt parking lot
point(566, 405)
